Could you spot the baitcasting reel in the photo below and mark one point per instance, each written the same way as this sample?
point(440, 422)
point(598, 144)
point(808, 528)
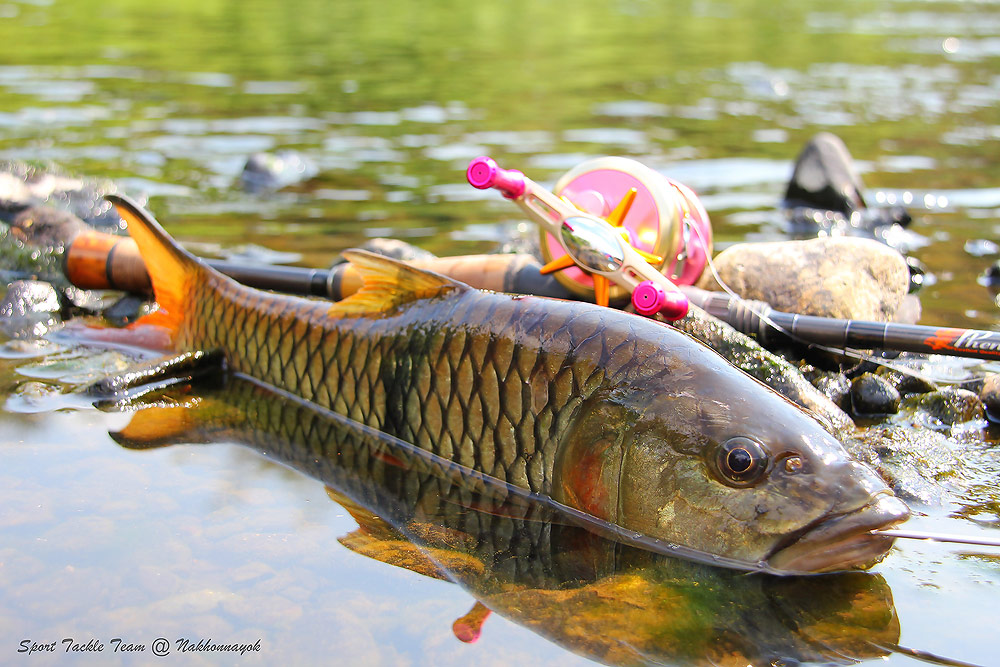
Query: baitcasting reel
point(612, 220)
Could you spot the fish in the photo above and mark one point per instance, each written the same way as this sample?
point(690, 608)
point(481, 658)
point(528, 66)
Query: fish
point(522, 558)
point(617, 416)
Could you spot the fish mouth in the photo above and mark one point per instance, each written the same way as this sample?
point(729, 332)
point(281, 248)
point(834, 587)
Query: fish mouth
point(842, 541)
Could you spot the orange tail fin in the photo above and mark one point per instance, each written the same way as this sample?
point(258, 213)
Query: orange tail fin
point(174, 272)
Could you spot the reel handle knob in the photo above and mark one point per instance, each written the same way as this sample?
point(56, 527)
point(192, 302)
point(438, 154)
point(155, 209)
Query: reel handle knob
point(483, 173)
point(650, 298)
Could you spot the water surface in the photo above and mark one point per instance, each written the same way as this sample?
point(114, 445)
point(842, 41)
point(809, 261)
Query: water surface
point(388, 101)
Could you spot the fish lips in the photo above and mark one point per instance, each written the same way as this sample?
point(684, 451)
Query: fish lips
point(843, 541)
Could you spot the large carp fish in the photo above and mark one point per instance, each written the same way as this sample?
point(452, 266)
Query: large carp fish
point(617, 416)
point(524, 559)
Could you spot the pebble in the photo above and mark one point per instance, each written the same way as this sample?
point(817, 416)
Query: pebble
point(873, 395)
point(836, 387)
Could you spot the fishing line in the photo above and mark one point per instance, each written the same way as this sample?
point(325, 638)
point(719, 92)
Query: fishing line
point(938, 537)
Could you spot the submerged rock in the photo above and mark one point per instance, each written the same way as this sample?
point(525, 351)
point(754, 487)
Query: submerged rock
point(914, 462)
point(23, 186)
point(273, 171)
point(830, 277)
point(126, 310)
point(393, 248)
point(825, 195)
point(872, 395)
point(950, 405)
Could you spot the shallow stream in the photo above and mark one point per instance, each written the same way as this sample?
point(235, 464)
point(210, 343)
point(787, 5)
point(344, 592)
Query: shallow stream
point(385, 103)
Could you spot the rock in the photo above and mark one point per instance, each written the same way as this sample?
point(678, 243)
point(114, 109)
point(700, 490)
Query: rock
point(126, 310)
point(825, 196)
point(872, 395)
point(24, 186)
point(916, 463)
point(906, 383)
point(990, 395)
point(950, 405)
point(991, 277)
point(825, 178)
point(273, 171)
point(836, 387)
point(846, 278)
point(44, 226)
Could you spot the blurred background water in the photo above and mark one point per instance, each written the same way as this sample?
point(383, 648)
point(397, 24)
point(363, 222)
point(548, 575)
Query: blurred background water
point(383, 105)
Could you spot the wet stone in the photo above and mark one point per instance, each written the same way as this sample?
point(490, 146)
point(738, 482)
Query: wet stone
point(836, 387)
point(906, 383)
point(393, 248)
point(127, 309)
point(950, 405)
point(45, 226)
point(872, 395)
point(990, 396)
point(847, 278)
point(774, 371)
point(273, 171)
point(916, 463)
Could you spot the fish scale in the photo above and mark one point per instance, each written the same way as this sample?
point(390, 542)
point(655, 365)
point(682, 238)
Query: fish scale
point(376, 370)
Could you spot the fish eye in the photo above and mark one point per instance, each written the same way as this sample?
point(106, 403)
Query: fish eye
point(741, 461)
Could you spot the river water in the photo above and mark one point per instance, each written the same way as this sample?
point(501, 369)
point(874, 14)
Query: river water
point(388, 102)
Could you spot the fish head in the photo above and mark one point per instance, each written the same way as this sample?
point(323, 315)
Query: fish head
point(720, 463)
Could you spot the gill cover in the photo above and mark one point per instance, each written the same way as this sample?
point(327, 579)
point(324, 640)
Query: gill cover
point(588, 466)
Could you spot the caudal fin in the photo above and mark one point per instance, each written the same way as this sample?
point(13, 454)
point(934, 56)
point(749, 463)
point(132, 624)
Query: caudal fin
point(174, 272)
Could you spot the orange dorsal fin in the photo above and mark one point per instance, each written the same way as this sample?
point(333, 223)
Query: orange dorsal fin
point(173, 271)
point(389, 283)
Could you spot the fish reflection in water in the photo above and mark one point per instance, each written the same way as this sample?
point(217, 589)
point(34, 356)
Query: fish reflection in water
point(525, 560)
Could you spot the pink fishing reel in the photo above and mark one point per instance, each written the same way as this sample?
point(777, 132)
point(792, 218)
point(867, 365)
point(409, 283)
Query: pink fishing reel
point(665, 220)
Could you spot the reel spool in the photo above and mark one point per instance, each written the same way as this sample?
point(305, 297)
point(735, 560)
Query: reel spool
point(663, 220)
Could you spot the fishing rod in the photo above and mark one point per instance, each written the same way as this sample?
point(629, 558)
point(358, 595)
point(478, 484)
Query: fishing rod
point(95, 260)
point(758, 319)
point(674, 212)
